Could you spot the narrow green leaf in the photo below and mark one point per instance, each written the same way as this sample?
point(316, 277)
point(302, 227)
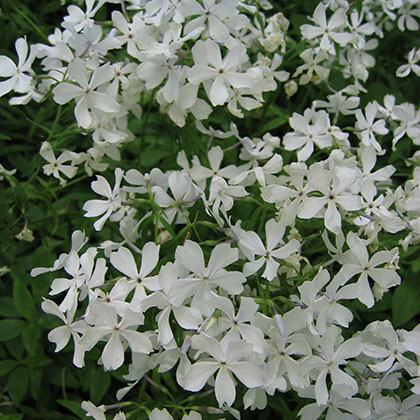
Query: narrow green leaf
point(7, 308)
point(12, 417)
point(39, 360)
point(11, 328)
point(18, 384)
point(99, 383)
point(30, 336)
point(7, 366)
point(23, 300)
point(74, 407)
point(405, 302)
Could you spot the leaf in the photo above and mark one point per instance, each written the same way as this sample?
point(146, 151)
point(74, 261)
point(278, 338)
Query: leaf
point(405, 302)
point(74, 407)
point(7, 308)
point(30, 336)
point(18, 384)
point(7, 366)
point(35, 379)
point(99, 383)
point(11, 328)
point(273, 124)
point(39, 360)
point(12, 417)
point(23, 300)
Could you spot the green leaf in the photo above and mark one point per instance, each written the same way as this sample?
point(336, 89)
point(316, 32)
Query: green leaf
point(405, 302)
point(99, 383)
point(12, 417)
point(74, 407)
point(7, 308)
point(11, 328)
point(30, 336)
point(7, 366)
point(23, 300)
point(38, 360)
point(18, 384)
point(35, 379)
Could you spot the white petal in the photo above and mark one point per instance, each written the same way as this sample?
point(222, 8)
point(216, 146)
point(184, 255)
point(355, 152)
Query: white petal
point(247, 373)
point(225, 387)
point(124, 262)
point(191, 257)
point(199, 374)
point(113, 354)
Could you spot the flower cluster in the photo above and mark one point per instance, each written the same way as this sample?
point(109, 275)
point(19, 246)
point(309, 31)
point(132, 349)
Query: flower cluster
point(249, 314)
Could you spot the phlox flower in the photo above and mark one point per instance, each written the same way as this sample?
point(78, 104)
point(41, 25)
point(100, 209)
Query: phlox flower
point(333, 186)
point(367, 127)
point(19, 76)
point(204, 279)
point(311, 128)
point(222, 73)
point(333, 353)
point(239, 325)
point(225, 358)
point(61, 335)
point(57, 165)
point(268, 255)
point(84, 92)
point(413, 59)
point(124, 262)
point(357, 262)
point(329, 31)
point(166, 300)
point(115, 331)
point(113, 200)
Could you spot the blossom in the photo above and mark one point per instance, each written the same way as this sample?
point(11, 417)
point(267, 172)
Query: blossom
point(19, 76)
point(333, 186)
point(204, 279)
point(413, 59)
point(84, 92)
point(57, 165)
point(333, 353)
point(225, 358)
point(356, 261)
point(330, 31)
point(113, 199)
point(223, 73)
point(311, 128)
point(366, 127)
point(269, 254)
point(115, 331)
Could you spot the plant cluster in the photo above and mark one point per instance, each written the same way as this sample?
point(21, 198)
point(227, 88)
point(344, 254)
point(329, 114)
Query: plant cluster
point(234, 261)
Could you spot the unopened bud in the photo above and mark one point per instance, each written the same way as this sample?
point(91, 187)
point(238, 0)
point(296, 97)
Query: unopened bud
point(290, 88)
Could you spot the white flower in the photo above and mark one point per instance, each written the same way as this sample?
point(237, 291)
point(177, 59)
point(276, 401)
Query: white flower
point(226, 358)
point(115, 331)
point(366, 127)
point(222, 73)
point(269, 254)
point(61, 335)
point(205, 279)
point(333, 353)
point(331, 31)
point(310, 128)
point(356, 261)
point(124, 262)
point(113, 199)
point(413, 58)
point(333, 186)
point(57, 165)
point(19, 79)
point(84, 91)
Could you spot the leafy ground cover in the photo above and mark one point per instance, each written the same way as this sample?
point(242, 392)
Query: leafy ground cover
point(209, 210)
